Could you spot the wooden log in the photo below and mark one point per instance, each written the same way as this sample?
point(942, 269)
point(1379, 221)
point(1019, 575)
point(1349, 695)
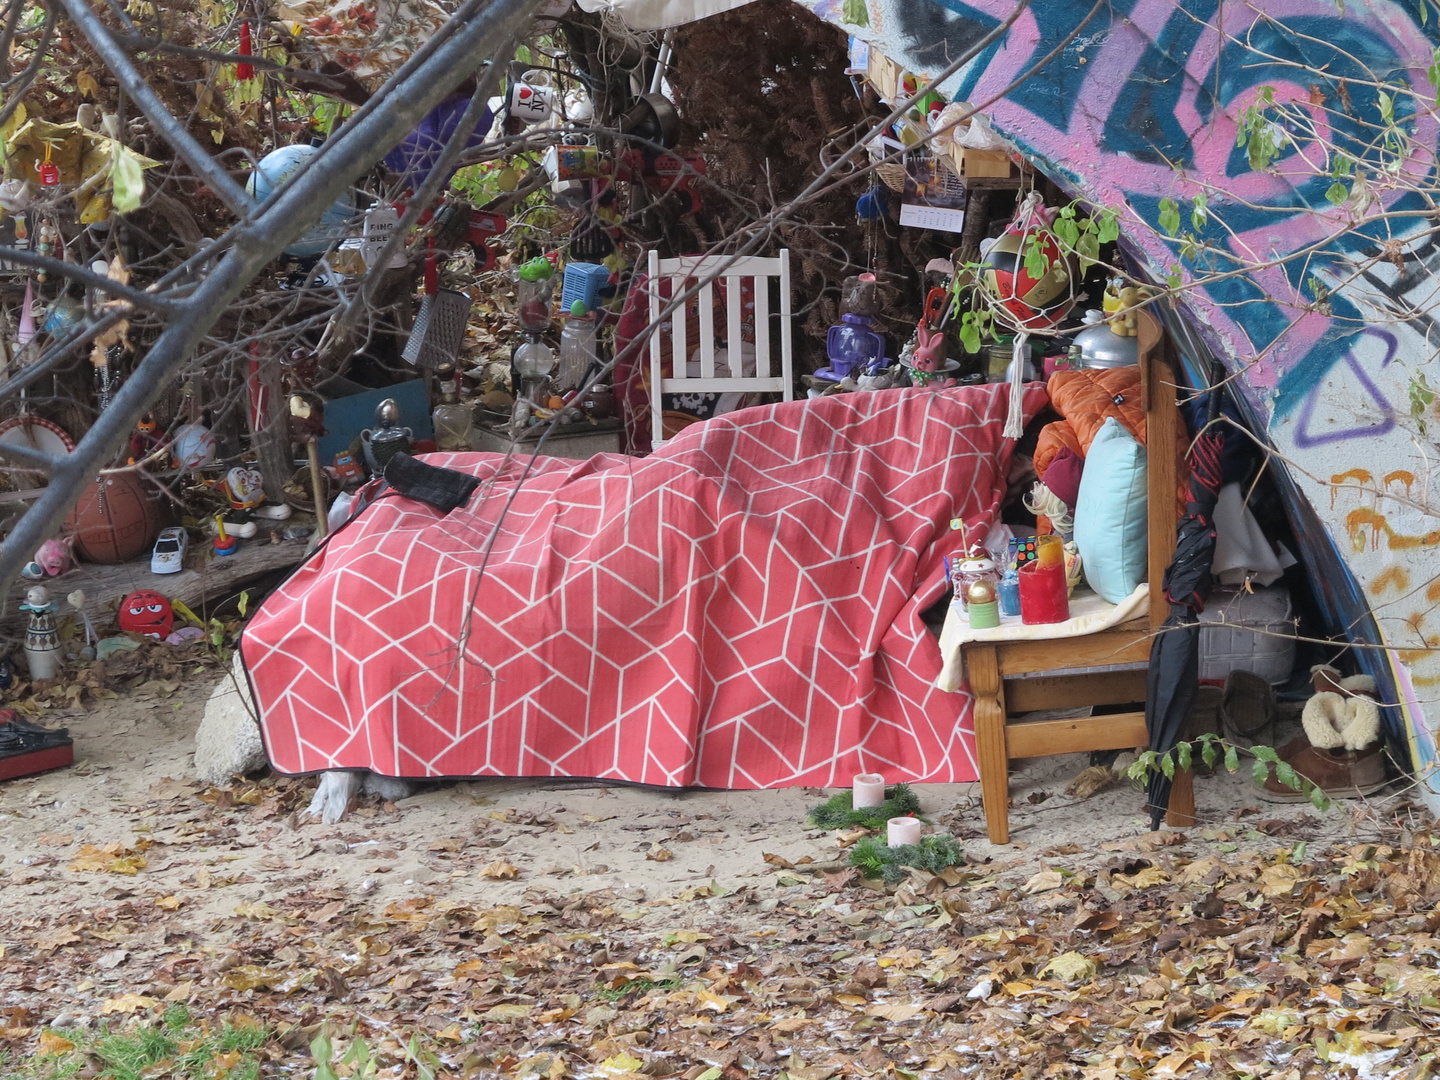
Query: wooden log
point(205, 578)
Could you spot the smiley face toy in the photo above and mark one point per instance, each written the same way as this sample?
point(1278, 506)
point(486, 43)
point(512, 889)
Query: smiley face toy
point(146, 612)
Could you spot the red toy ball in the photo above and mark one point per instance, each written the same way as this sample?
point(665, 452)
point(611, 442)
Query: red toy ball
point(146, 612)
point(115, 520)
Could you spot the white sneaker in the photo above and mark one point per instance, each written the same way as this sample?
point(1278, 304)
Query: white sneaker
point(273, 511)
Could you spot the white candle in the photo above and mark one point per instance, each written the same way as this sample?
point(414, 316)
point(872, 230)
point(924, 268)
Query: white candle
point(868, 789)
point(902, 830)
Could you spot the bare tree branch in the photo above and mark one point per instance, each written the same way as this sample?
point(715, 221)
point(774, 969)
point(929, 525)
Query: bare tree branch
point(479, 33)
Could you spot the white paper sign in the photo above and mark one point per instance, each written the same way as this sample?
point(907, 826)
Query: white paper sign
point(932, 217)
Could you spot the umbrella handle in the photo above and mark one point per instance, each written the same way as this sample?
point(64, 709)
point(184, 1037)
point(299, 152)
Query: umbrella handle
point(1217, 391)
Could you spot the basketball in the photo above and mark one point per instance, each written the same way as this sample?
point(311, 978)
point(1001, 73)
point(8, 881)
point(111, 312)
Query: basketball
point(115, 520)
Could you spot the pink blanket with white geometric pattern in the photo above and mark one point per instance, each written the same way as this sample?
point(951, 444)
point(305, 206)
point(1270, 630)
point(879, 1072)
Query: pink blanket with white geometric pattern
point(740, 610)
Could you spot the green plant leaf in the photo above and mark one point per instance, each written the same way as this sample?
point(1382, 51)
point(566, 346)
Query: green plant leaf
point(1067, 230)
point(1318, 798)
point(970, 332)
point(1232, 759)
point(1037, 262)
point(1109, 230)
point(1265, 753)
point(1182, 755)
point(1387, 106)
point(1209, 752)
point(1167, 766)
point(1259, 771)
point(1286, 774)
point(1169, 216)
point(1088, 249)
point(1174, 279)
point(1200, 213)
point(1337, 193)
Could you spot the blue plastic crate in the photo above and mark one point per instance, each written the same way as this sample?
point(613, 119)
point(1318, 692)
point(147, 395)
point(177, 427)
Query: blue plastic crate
point(583, 281)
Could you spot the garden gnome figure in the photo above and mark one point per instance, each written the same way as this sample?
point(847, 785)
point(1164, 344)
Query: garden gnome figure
point(42, 643)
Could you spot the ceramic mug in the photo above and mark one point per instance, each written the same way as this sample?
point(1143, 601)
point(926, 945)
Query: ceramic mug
point(531, 97)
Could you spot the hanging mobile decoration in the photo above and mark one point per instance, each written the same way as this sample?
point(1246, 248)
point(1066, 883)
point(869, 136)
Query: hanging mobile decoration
point(47, 243)
point(25, 332)
point(245, 71)
point(47, 170)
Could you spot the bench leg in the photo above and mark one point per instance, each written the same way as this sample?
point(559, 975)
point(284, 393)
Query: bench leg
point(983, 667)
point(1181, 814)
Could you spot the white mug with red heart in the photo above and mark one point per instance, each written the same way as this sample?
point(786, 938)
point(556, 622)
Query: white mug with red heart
point(532, 97)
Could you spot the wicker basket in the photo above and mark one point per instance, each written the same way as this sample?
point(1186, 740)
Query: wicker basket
point(942, 180)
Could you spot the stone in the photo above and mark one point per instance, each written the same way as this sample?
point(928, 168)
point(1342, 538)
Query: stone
point(227, 743)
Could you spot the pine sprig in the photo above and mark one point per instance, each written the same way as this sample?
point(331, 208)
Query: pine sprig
point(874, 859)
point(839, 812)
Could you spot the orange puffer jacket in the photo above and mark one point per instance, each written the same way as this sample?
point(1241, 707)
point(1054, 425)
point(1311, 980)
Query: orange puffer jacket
point(1086, 399)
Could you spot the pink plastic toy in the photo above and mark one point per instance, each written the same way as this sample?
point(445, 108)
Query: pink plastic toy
point(53, 558)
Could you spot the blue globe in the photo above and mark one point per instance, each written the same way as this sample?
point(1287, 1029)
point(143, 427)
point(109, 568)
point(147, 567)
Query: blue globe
point(278, 166)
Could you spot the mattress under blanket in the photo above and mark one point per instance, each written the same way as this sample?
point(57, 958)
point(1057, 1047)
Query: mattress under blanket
point(741, 609)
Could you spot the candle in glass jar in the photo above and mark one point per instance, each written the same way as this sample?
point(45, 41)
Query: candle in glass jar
point(867, 790)
point(1043, 593)
point(902, 830)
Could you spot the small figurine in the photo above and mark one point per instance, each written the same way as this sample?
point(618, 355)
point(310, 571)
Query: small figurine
point(42, 643)
point(977, 566)
point(853, 347)
point(245, 488)
point(386, 439)
point(52, 559)
point(145, 440)
point(7, 672)
point(146, 612)
point(77, 601)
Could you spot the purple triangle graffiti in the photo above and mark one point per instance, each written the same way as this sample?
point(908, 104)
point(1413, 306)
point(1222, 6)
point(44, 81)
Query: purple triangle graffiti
point(1304, 439)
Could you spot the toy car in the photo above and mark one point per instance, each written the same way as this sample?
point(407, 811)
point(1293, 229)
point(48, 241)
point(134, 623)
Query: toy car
point(169, 554)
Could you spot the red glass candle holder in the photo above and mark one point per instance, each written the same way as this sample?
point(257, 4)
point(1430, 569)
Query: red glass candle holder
point(1044, 597)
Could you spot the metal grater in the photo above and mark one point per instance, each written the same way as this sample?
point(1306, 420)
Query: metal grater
point(439, 329)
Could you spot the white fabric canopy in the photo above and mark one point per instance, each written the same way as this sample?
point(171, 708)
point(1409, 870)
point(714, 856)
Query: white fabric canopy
point(658, 14)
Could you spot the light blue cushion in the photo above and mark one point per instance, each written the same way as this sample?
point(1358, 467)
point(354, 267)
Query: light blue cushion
point(1111, 513)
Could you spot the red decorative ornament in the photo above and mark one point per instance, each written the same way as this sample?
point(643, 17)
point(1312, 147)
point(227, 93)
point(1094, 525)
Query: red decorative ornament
point(243, 70)
point(146, 612)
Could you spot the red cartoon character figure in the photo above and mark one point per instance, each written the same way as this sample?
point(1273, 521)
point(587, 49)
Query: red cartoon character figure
point(146, 612)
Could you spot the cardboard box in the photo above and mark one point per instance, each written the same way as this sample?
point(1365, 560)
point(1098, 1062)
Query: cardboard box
point(883, 74)
point(972, 164)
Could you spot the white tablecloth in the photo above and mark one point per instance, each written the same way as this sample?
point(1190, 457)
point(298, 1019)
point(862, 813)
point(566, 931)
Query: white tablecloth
point(1089, 613)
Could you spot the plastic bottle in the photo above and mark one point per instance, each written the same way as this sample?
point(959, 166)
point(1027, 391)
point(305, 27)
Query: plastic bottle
point(577, 347)
point(534, 288)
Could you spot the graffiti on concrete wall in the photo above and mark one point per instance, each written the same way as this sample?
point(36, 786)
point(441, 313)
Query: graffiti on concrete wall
point(1329, 324)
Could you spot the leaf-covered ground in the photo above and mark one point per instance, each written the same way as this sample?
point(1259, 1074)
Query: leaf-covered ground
point(474, 931)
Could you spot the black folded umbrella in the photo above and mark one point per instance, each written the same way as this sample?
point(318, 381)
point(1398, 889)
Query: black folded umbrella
point(1174, 675)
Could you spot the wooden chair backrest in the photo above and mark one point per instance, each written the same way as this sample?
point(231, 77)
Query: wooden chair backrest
point(1162, 429)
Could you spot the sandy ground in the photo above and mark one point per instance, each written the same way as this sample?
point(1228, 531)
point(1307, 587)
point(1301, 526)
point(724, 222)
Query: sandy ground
point(492, 841)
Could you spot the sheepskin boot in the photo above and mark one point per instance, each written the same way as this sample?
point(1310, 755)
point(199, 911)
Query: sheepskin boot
point(1340, 753)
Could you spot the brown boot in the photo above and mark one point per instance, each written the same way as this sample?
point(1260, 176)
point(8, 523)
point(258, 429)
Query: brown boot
point(1341, 774)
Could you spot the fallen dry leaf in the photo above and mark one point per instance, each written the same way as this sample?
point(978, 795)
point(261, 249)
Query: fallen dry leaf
point(896, 1014)
point(111, 859)
point(1070, 967)
point(500, 870)
point(128, 1003)
point(1044, 881)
